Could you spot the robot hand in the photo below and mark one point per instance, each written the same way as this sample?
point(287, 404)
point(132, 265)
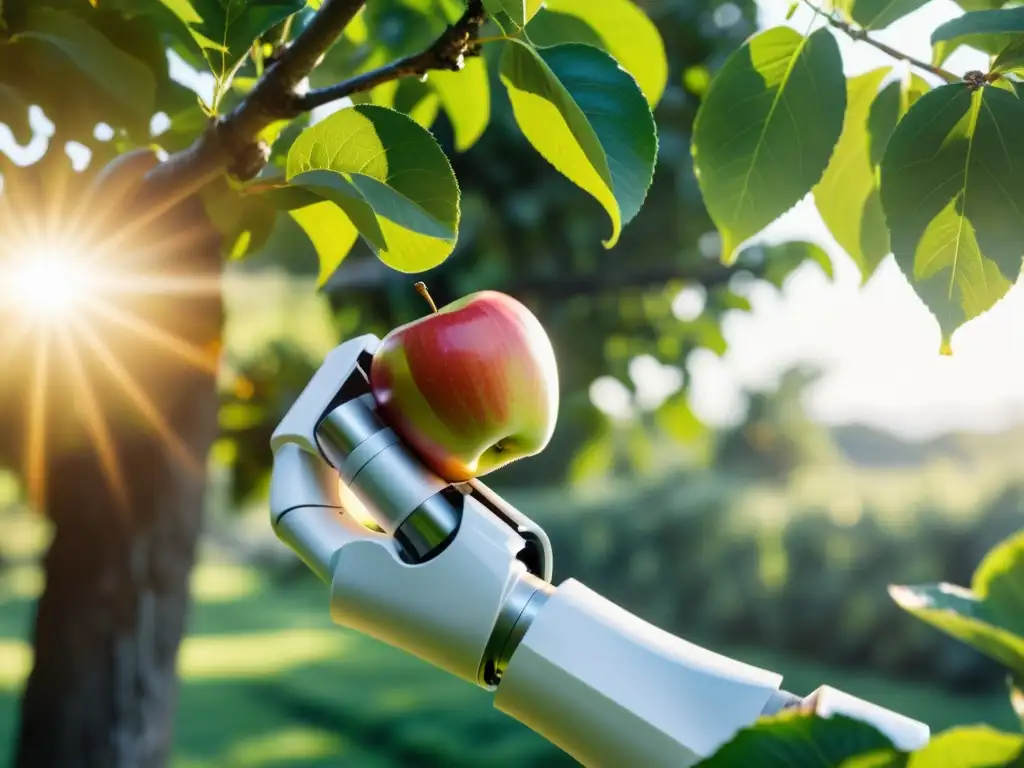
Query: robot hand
point(459, 578)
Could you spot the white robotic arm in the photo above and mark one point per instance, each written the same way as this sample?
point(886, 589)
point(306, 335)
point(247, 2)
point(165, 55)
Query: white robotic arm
point(459, 578)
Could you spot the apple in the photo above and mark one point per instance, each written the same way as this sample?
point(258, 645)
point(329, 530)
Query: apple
point(471, 387)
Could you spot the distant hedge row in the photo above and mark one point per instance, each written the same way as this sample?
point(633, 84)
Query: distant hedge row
point(683, 557)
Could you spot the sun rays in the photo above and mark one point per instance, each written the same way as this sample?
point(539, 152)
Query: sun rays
point(69, 274)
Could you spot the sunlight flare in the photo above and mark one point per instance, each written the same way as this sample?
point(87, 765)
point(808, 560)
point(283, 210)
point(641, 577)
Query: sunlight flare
point(138, 397)
point(95, 421)
point(69, 281)
point(201, 359)
point(45, 283)
point(35, 439)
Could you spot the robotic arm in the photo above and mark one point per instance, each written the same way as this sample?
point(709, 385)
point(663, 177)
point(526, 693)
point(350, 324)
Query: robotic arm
point(456, 576)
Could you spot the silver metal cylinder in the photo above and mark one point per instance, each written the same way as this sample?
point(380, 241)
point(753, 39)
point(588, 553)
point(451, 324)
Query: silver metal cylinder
point(345, 428)
point(404, 498)
point(517, 614)
point(430, 525)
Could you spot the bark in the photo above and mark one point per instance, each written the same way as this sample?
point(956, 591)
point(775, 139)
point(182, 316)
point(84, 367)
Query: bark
point(103, 688)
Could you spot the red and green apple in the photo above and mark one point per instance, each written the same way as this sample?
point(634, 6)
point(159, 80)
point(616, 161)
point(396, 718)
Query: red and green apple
point(471, 387)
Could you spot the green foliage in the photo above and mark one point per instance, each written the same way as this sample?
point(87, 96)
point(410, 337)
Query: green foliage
point(970, 747)
point(588, 118)
point(466, 98)
point(390, 178)
point(225, 30)
point(878, 14)
point(808, 741)
point(1011, 58)
point(519, 12)
point(766, 130)
point(956, 221)
point(847, 197)
point(124, 77)
point(618, 27)
point(795, 740)
point(775, 263)
point(989, 616)
point(987, 31)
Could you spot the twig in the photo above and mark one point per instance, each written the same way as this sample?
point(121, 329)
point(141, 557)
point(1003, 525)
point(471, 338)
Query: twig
point(448, 52)
point(861, 35)
point(235, 136)
point(232, 143)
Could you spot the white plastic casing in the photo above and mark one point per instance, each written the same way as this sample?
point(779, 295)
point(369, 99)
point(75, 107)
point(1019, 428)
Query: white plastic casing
point(613, 690)
point(905, 734)
point(442, 611)
point(300, 423)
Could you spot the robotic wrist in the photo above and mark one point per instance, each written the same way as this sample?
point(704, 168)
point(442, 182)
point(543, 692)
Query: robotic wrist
point(453, 574)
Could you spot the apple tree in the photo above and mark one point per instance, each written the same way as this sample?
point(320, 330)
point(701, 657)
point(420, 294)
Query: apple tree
point(322, 118)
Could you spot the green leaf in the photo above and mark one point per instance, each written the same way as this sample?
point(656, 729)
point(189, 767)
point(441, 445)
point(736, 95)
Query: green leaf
point(14, 114)
point(959, 613)
point(989, 616)
point(777, 262)
point(847, 196)
point(988, 31)
point(227, 28)
point(1011, 57)
point(797, 740)
point(417, 100)
point(878, 14)
point(913, 89)
point(953, 195)
point(330, 231)
point(980, 5)
point(466, 98)
point(244, 221)
point(125, 79)
point(514, 9)
point(766, 130)
point(588, 118)
point(618, 27)
point(975, 746)
point(512, 16)
point(389, 176)
point(999, 581)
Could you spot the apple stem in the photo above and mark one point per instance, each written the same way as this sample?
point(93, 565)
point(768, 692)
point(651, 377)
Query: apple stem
point(421, 289)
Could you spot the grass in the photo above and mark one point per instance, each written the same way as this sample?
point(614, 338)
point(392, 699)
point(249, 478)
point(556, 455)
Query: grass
point(270, 682)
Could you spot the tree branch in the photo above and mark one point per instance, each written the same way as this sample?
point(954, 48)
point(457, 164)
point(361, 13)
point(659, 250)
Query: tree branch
point(232, 143)
point(448, 52)
point(234, 138)
point(861, 35)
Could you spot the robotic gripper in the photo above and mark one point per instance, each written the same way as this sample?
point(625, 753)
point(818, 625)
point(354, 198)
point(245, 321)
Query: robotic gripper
point(456, 576)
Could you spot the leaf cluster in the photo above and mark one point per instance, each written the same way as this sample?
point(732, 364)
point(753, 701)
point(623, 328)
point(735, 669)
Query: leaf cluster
point(893, 164)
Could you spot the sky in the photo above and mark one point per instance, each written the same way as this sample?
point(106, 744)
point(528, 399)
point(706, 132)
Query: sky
point(877, 344)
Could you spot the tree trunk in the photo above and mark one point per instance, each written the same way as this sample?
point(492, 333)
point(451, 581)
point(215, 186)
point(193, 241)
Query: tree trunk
point(102, 692)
